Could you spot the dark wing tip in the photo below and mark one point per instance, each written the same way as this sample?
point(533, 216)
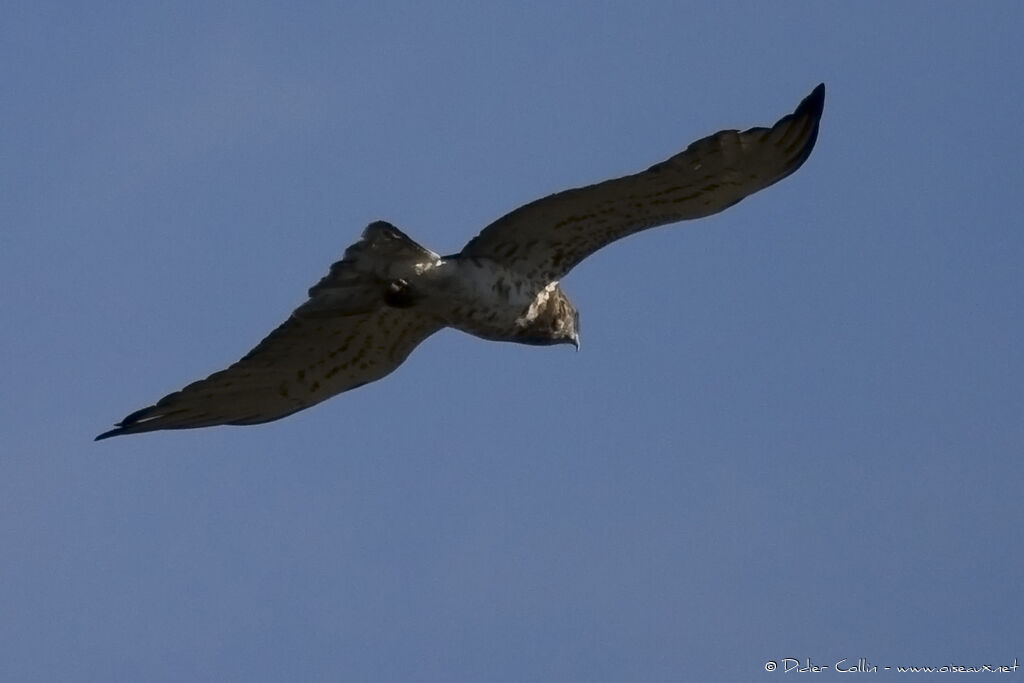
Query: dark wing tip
point(811, 108)
point(814, 103)
point(113, 432)
point(126, 425)
point(801, 129)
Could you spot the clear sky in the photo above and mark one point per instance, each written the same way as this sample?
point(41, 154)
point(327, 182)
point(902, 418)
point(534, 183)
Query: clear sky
point(794, 429)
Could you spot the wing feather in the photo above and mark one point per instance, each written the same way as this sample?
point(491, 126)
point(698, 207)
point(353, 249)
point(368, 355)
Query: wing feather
point(344, 336)
point(303, 362)
point(549, 236)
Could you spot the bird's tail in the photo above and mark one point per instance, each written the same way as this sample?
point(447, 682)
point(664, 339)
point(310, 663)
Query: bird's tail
point(382, 257)
point(383, 253)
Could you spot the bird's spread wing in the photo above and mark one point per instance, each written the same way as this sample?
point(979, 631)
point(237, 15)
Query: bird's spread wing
point(343, 337)
point(549, 236)
point(302, 362)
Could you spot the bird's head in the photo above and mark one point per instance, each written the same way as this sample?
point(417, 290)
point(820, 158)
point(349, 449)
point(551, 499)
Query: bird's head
point(550, 319)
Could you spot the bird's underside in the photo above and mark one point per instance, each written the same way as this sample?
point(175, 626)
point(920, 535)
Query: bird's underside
point(388, 293)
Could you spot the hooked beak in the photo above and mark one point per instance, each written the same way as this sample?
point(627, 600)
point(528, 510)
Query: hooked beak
point(576, 342)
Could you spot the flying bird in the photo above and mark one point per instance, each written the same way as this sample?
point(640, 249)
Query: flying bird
point(388, 293)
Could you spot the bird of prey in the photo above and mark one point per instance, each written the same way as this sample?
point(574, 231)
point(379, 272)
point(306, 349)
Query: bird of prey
point(388, 293)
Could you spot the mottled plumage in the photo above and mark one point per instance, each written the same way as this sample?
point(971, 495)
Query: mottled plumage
point(388, 293)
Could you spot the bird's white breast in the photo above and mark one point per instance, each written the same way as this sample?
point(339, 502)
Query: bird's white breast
point(481, 297)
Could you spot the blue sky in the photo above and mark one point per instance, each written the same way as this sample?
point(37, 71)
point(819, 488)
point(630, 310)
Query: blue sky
point(794, 429)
